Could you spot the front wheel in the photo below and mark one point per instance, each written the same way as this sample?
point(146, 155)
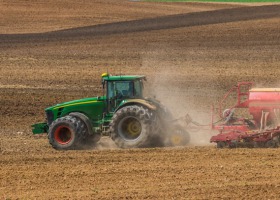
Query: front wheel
point(67, 133)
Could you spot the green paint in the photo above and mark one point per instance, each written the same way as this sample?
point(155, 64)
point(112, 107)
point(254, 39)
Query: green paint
point(119, 91)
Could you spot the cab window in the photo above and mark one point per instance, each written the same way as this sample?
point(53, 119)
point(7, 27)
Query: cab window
point(120, 89)
point(138, 88)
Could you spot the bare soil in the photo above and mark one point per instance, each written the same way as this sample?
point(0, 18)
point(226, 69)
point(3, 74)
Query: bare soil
point(192, 53)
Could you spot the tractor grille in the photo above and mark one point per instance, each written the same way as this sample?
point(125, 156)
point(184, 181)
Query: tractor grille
point(50, 116)
point(59, 112)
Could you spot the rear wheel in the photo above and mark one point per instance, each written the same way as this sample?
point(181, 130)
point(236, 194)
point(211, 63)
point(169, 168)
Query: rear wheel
point(221, 145)
point(131, 127)
point(258, 144)
point(271, 144)
point(178, 136)
point(67, 133)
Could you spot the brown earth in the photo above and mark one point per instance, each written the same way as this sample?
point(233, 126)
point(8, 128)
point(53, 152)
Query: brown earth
point(192, 53)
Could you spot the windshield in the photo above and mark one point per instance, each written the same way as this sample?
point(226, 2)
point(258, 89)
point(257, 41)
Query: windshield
point(125, 89)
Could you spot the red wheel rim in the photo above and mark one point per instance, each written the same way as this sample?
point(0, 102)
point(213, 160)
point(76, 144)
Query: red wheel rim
point(63, 135)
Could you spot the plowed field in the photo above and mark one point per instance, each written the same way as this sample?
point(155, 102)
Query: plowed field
point(192, 53)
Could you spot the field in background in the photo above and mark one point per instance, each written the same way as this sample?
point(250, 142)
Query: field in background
point(191, 53)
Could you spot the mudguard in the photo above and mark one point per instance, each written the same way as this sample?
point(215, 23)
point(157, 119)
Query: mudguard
point(143, 102)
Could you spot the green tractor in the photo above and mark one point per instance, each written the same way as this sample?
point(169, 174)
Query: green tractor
point(121, 113)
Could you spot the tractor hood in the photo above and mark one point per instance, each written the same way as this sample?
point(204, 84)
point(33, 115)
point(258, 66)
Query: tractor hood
point(91, 107)
point(76, 102)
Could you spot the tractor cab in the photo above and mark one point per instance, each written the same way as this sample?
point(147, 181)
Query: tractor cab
point(120, 88)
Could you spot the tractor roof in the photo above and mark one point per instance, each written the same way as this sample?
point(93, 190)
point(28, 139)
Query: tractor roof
point(107, 77)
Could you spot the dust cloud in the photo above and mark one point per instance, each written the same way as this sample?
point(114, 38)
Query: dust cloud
point(105, 143)
point(180, 102)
